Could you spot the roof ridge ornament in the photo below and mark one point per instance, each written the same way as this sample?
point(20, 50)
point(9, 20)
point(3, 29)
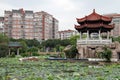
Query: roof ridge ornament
point(93, 10)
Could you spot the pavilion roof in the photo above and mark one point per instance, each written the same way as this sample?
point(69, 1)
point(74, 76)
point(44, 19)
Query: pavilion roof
point(14, 44)
point(94, 26)
point(94, 17)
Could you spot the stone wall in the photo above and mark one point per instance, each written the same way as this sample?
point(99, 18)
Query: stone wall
point(92, 51)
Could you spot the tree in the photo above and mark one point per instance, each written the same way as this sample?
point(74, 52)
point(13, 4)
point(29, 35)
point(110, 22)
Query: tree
point(3, 39)
point(54, 43)
point(3, 50)
point(71, 51)
point(33, 51)
point(3, 45)
point(23, 48)
point(107, 53)
point(73, 39)
point(32, 42)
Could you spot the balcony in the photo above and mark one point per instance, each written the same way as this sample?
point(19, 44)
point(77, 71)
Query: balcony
point(94, 41)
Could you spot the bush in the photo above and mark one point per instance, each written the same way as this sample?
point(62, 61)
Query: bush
point(35, 54)
point(71, 53)
point(3, 50)
point(33, 49)
point(24, 54)
point(12, 55)
point(107, 54)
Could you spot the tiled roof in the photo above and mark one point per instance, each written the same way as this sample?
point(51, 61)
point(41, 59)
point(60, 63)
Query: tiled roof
point(93, 17)
point(14, 44)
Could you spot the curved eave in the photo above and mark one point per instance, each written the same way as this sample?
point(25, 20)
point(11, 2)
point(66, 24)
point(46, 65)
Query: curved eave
point(101, 19)
point(94, 26)
point(94, 17)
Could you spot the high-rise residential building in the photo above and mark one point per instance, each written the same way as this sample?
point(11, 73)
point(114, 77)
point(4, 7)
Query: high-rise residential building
point(29, 25)
point(55, 29)
point(116, 21)
point(19, 24)
point(66, 34)
point(1, 24)
point(46, 25)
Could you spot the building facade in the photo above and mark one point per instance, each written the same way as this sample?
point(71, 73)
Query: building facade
point(19, 24)
point(45, 26)
point(116, 21)
point(29, 25)
point(66, 34)
point(1, 24)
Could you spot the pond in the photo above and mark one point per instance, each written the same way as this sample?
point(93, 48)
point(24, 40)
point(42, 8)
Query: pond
point(11, 68)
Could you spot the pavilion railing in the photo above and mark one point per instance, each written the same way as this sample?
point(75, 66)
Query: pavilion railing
point(95, 42)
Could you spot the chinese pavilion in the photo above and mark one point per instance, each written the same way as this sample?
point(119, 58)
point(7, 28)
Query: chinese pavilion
point(94, 32)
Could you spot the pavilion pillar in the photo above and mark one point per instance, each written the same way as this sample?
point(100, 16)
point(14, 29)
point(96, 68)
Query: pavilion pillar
point(87, 34)
point(108, 35)
point(17, 51)
point(9, 51)
point(99, 35)
point(80, 35)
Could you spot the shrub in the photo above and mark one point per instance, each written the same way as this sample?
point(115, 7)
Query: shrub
point(107, 54)
point(35, 54)
point(71, 53)
point(24, 54)
point(12, 55)
point(33, 49)
point(3, 50)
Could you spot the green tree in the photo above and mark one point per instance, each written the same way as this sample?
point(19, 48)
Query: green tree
point(107, 54)
point(54, 43)
point(23, 49)
point(116, 39)
point(71, 52)
point(32, 42)
point(3, 45)
point(3, 50)
point(3, 39)
point(73, 39)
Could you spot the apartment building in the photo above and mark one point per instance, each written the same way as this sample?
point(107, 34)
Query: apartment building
point(55, 29)
point(29, 25)
point(116, 21)
point(19, 24)
point(1, 24)
point(46, 26)
point(66, 34)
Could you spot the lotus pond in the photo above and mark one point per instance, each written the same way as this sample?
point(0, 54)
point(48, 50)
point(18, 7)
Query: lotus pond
point(13, 69)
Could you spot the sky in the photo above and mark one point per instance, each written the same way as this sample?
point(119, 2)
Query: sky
point(65, 11)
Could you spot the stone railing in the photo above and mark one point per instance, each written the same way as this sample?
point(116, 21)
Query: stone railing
point(96, 41)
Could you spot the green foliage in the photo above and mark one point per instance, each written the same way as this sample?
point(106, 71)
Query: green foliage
point(73, 39)
point(3, 50)
point(71, 53)
point(3, 45)
point(84, 36)
point(116, 39)
point(3, 39)
point(54, 43)
point(35, 54)
point(32, 42)
point(24, 47)
point(12, 55)
point(25, 54)
point(56, 70)
point(100, 78)
point(26, 43)
point(107, 54)
point(33, 49)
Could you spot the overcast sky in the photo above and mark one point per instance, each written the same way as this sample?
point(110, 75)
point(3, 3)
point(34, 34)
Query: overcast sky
point(66, 11)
